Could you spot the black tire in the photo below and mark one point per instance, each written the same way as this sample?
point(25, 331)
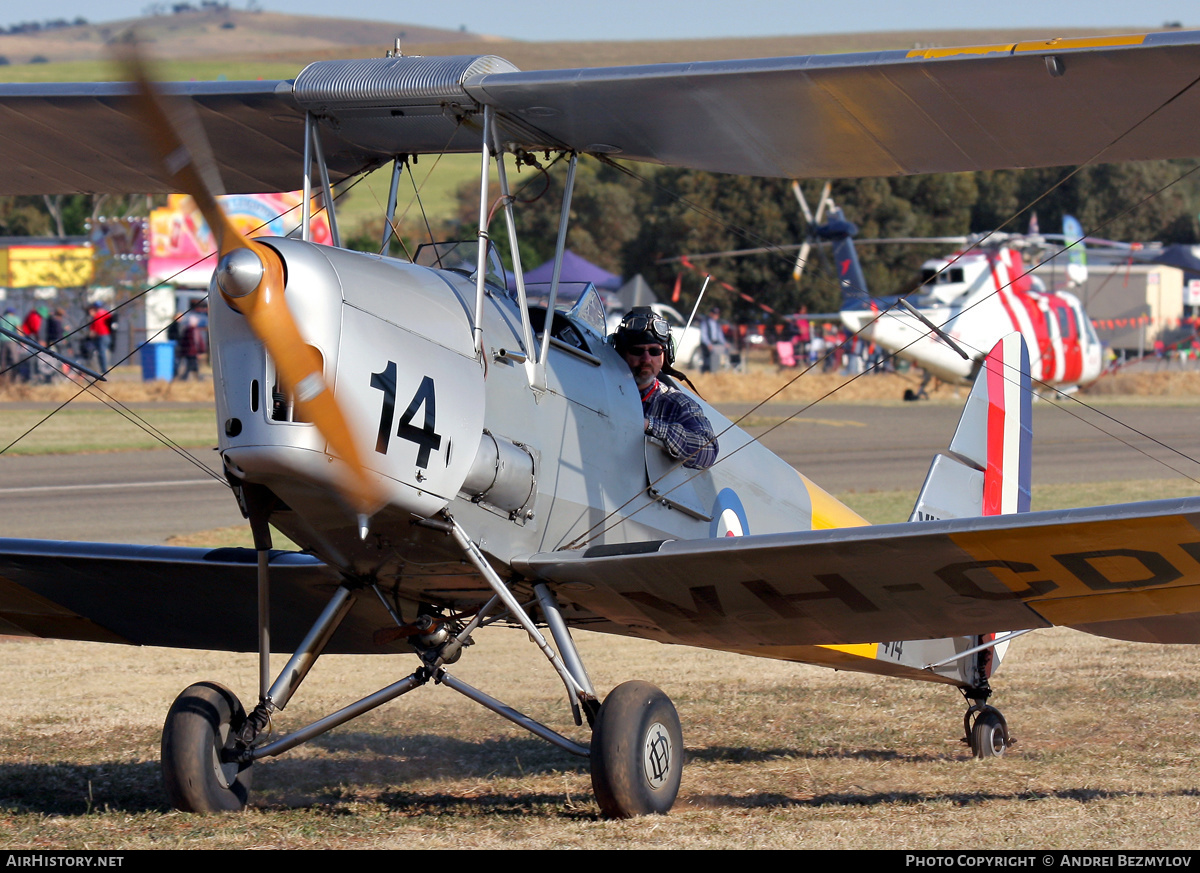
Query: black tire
point(989, 735)
point(637, 752)
point(199, 726)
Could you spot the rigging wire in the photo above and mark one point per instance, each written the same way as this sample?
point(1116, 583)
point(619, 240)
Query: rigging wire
point(585, 537)
point(105, 397)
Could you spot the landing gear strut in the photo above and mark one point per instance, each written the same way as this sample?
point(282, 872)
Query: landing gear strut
point(985, 728)
point(210, 743)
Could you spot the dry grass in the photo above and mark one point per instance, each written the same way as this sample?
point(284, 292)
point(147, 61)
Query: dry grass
point(94, 428)
point(126, 391)
point(780, 755)
point(761, 381)
point(1166, 383)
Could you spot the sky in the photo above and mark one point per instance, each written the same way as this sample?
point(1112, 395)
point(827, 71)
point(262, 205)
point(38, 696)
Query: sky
point(688, 19)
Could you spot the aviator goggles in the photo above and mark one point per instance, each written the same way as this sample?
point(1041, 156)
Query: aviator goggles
point(647, 322)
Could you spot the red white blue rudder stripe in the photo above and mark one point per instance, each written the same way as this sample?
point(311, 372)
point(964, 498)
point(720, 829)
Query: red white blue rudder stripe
point(1008, 477)
point(988, 468)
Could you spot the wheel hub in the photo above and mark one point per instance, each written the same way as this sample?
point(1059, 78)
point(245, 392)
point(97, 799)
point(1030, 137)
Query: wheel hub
point(656, 755)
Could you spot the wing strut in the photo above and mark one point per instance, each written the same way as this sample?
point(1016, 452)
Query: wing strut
point(389, 226)
point(564, 219)
point(481, 266)
point(576, 686)
point(518, 270)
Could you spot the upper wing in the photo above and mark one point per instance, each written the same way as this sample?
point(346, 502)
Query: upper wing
point(1031, 104)
point(1112, 565)
point(885, 113)
point(60, 138)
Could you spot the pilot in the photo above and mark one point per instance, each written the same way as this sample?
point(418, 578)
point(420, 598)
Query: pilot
point(671, 416)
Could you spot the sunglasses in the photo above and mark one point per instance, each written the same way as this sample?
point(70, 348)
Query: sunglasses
point(638, 351)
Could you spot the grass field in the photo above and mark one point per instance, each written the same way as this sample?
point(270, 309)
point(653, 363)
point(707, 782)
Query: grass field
point(437, 180)
point(93, 428)
point(779, 755)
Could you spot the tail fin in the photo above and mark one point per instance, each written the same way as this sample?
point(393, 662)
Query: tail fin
point(840, 234)
point(1077, 254)
point(987, 469)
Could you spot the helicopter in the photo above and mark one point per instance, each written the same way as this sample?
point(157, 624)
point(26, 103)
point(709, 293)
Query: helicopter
point(963, 302)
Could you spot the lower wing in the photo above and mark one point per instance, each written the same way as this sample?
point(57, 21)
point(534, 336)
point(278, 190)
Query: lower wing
point(1128, 571)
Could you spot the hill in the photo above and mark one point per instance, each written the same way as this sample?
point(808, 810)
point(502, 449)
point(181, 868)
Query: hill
point(270, 44)
point(231, 33)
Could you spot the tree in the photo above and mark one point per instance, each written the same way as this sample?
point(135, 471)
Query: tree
point(626, 223)
point(691, 212)
point(23, 216)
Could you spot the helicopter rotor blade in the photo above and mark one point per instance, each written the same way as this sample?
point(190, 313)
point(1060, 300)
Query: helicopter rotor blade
point(811, 223)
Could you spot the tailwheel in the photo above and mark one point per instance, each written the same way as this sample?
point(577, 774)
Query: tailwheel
point(989, 734)
point(637, 752)
point(198, 732)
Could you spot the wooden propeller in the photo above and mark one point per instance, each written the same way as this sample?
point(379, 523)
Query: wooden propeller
point(250, 276)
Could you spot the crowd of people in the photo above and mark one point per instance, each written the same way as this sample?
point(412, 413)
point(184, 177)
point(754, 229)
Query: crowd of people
point(836, 350)
point(795, 341)
point(91, 342)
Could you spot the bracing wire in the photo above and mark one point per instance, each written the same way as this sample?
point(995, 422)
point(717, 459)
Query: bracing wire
point(591, 533)
point(114, 404)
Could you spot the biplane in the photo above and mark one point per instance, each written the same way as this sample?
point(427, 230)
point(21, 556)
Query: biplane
point(452, 451)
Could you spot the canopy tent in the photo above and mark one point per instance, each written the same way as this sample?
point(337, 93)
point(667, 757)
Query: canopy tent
point(575, 269)
point(636, 292)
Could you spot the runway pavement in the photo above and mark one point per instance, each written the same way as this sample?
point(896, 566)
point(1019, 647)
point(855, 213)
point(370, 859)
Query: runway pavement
point(129, 497)
point(884, 448)
point(148, 496)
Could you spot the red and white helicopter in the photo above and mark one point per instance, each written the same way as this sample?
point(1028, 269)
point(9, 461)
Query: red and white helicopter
point(965, 302)
point(973, 296)
point(451, 453)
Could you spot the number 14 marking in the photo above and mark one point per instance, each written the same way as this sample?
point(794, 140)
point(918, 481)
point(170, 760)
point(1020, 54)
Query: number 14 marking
point(426, 437)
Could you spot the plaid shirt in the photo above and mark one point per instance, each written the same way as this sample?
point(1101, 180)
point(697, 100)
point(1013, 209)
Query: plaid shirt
point(677, 421)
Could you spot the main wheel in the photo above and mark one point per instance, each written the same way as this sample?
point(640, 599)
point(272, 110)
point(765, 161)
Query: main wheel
point(989, 735)
point(637, 752)
point(199, 728)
